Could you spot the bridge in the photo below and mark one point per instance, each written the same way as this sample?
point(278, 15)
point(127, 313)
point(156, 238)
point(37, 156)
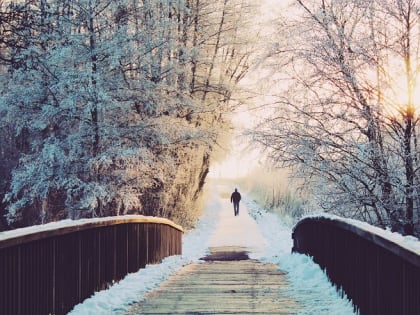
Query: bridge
point(49, 270)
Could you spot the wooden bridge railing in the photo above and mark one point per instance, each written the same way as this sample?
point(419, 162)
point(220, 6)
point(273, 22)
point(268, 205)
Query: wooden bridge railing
point(377, 274)
point(49, 269)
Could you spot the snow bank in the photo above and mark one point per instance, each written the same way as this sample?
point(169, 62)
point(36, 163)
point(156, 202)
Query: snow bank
point(308, 283)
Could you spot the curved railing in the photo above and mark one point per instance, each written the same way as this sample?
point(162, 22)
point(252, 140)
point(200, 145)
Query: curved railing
point(377, 270)
point(48, 269)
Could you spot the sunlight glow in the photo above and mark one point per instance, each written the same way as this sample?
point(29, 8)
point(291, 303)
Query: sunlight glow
point(398, 101)
point(236, 165)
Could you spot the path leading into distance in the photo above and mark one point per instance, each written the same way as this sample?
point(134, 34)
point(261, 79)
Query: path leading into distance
point(229, 280)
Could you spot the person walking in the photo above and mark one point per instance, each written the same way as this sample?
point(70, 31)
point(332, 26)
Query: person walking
point(235, 198)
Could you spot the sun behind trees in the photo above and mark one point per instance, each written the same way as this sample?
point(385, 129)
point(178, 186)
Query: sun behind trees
point(337, 119)
point(113, 107)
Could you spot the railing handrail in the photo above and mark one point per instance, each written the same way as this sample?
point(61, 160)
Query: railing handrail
point(52, 229)
point(370, 233)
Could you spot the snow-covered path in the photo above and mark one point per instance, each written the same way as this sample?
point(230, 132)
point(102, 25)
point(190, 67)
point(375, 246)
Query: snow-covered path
point(262, 233)
point(241, 230)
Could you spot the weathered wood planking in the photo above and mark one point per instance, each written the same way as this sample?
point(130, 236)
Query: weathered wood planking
point(221, 286)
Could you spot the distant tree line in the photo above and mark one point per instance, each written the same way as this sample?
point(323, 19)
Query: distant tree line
point(346, 110)
point(111, 107)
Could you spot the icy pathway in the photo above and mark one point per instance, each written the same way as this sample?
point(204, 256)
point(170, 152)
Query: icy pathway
point(240, 231)
point(261, 232)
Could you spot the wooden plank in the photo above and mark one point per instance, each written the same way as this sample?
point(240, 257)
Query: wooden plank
point(221, 287)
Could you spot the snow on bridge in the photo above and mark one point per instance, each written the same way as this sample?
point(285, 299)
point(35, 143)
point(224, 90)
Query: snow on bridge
point(291, 282)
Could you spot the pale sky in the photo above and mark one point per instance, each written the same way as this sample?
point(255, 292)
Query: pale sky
point(240, 161)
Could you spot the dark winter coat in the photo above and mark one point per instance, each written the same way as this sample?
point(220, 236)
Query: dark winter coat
point(236, 197)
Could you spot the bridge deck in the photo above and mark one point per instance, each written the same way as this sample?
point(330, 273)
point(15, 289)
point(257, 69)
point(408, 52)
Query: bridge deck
point(227, 282)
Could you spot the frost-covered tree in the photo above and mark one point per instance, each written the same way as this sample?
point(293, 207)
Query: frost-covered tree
point(107, 97)
point(338, 118)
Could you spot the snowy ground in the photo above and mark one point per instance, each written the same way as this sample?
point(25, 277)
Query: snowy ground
point(262, 232)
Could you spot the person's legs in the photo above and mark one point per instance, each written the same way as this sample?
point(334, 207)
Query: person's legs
point(236, 208)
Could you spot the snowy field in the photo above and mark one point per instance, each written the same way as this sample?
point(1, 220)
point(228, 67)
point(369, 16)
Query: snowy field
point(262, 232)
